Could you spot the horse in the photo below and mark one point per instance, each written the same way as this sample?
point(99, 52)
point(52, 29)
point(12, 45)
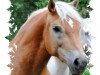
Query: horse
point(56, 30)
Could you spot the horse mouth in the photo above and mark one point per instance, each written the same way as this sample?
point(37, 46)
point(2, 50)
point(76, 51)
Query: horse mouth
point(77, 71)
point(76, 74)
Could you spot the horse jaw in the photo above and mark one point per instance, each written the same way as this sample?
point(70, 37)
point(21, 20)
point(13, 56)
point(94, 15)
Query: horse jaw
point(56, 67)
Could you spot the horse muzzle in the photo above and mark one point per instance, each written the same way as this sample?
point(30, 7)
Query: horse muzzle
point(78, 65)
point(76, 60)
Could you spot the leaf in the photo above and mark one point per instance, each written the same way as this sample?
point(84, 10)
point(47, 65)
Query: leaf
point(86, 72)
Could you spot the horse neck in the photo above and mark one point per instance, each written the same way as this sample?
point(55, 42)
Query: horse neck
point(41, 55)
point(32, 63)
point(40, 60)
point(31, 55)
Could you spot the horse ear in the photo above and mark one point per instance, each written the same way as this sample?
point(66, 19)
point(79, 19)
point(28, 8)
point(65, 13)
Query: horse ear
point(51, 6)
point(74, 3)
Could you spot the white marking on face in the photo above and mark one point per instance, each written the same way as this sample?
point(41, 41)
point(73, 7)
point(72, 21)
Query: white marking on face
point(70, 21)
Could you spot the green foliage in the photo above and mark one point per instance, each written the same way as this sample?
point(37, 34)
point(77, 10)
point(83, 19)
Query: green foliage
point(66, 0)
point(87, 51)
point(84, 8)
point(86, 72)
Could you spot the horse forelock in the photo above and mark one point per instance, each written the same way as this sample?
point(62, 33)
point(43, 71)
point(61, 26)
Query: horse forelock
point(65, 10)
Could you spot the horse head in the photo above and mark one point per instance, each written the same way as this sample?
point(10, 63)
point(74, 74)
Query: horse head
point(63, 36)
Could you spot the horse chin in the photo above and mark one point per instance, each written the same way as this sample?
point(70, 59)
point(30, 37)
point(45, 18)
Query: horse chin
point(76, 72)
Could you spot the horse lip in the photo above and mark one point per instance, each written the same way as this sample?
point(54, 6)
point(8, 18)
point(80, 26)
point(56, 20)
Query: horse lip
point(76, 74)
point(76, 71)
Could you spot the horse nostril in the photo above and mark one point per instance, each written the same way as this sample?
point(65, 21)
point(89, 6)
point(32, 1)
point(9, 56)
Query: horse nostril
point(79, 63)
point(76, 62)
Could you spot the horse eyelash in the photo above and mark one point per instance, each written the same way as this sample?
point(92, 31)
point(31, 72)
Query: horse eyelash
point(57, 29)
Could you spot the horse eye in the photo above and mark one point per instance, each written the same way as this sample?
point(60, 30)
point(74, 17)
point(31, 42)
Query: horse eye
point(57, 29)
